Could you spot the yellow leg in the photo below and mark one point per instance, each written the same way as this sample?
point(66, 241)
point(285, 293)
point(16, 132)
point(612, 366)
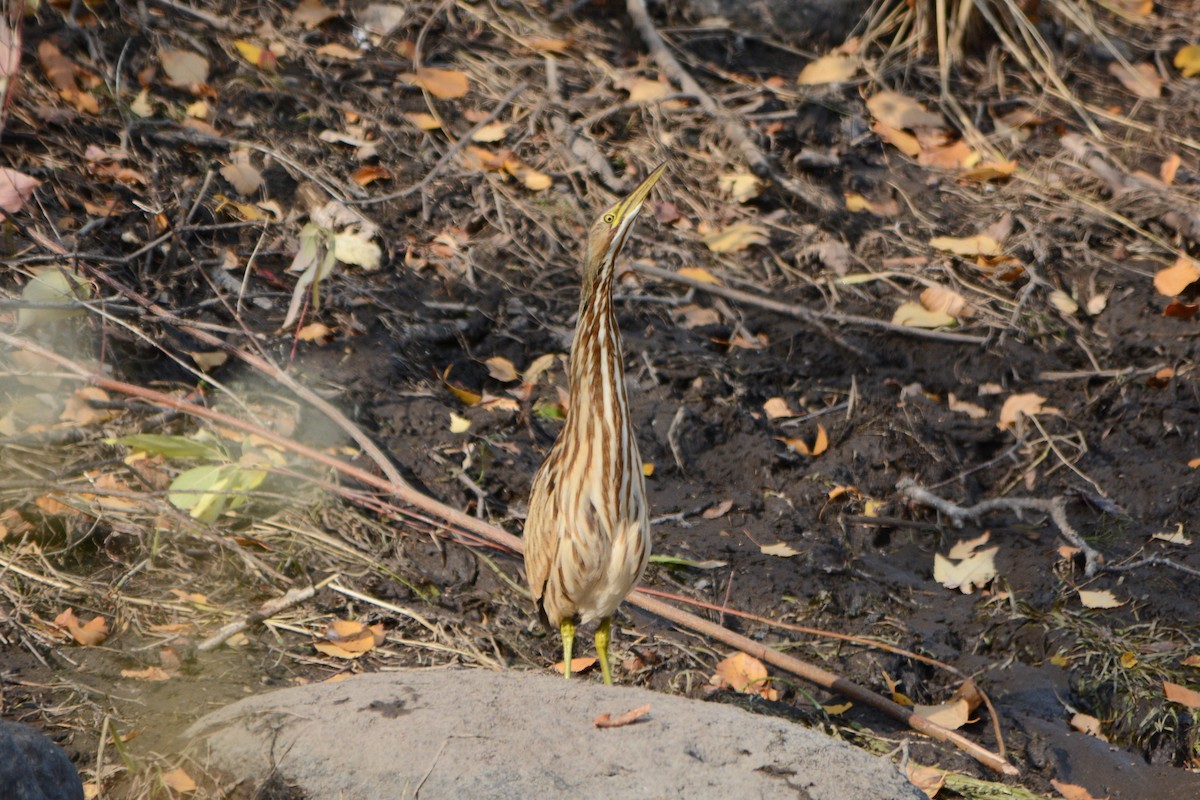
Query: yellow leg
point(567, 629)
point(603, 636)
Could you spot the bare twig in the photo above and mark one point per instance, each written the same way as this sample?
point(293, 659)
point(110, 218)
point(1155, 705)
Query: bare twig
point(1055, 508)
point(267, 610)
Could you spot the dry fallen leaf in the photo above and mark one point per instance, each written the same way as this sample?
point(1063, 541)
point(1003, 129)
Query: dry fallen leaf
point(900, 111)
point(501, 369)
point(741, 186)
point(718, 511)
point(745, 673)
point(831, 68)
point(147, 674)
point(1070, 791)
point(1172, 280)
point(459, 424)
point(424, 121)
point(578, 665)
point(928, 779)
point(966, 575)
point(779, 549)
point(179, 780)
point(819, 446)
point(1140, 79)
point(642, 90)
point(15, 189)
point(65, 75)
point(1086, 723)
point(952, 715)
point(902, 140)
point(967, 547)
point(346, 638)
point(916, 315)
point(1176, 536)
point(1029, 404)
point(312, 14)
point(737, 237)
point(1181, 694)
point(88, 634)
point(184, 69)
point(989, 171)
point(777, 407)
point(444, 84)
point(972, 410)
point(605, 720)
point(256, 55)
point(947, 301)
point(979, 245)
point(242, 174)
point(699, 274)
point(1099, 598)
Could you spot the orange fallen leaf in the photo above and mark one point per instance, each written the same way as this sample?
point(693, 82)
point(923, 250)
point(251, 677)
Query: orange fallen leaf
point(147, 674)
point(65, 74)
point(699, 274)
point(777, 407)
point(1172, 280)
point(581, 664)
point(1029, 404)
point(1071, 791)
point(179, 780)
point(628, 718)
point(88, 634)
point(1181, 694)
point(444, 84)
point(745, 673)
point(1086, 723)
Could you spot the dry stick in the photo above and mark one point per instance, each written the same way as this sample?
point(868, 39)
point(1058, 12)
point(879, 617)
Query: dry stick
point(824, 678)
point(863, 641)
point(449, 154)
point(265, 611)
point(734, 130)
point(800, 312)
point(460, 519)
point(1055, 507)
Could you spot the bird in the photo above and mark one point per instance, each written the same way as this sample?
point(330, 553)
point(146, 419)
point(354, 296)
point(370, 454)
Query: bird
point(587, 532)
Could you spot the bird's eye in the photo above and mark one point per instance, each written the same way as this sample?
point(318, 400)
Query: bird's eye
point(609, 218)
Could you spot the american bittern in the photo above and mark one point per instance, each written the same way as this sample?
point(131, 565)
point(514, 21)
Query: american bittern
point(587, 536)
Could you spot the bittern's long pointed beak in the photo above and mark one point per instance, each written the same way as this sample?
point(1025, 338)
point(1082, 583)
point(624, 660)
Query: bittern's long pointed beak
point(631, 205)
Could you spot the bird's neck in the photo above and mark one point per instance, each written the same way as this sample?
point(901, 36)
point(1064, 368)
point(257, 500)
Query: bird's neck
point(597, 372)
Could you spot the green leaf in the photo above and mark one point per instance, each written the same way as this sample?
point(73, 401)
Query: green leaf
point(157, 444)
point(202, 491)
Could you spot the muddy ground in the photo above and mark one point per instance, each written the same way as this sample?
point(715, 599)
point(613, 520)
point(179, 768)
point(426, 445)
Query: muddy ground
point(476, 267)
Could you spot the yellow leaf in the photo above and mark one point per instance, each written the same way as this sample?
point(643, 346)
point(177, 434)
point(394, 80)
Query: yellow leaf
point(1174, 279)
point(459, 424)
point(1187, 60)
point(179, 780)
point(1102, 598)
point(647, 468)
point(915, 315)
point(256, 56)
point(1017, 404)
point(736, 237)
point(444, 84)
point(979, 245)
point(837, 709)
point(1128, 660)
point(699, 274)
point(426, 122)
point(822, 442)
point(1140, 79)
point(831, 68)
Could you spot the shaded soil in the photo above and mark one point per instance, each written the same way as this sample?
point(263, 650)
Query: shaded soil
point(1117, 441)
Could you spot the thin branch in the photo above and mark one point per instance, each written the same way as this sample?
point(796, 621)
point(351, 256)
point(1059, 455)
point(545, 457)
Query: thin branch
point(267, 610)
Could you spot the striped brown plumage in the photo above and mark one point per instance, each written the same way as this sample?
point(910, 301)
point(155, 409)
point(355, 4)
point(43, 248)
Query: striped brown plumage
point(587, 535)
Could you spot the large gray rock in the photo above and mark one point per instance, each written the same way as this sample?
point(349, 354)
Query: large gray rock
point(34, 768)
point(479, 734)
